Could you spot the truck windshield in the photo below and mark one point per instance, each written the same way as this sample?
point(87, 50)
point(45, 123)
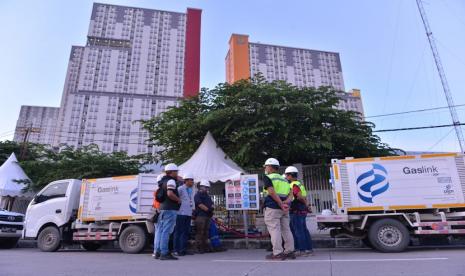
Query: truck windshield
point(53, 191)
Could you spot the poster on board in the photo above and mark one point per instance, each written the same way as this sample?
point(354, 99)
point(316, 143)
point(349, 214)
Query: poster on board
point(243, 194)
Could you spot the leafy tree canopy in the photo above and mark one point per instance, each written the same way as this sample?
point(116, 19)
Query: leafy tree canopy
point(254, 119)
point(44, 165)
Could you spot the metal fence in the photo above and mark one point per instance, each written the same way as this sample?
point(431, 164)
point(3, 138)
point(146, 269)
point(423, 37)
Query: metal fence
point(316, 181)
point(314, 177)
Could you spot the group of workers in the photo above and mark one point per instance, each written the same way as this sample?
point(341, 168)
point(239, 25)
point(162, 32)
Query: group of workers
point(177, 206)
point(286, 209)
point(285, 212)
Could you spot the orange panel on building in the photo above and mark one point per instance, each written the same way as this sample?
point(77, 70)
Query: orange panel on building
point(237, 59)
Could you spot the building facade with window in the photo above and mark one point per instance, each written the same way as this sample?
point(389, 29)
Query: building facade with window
point(136, 64)
point(36, 124)
point(300, 67)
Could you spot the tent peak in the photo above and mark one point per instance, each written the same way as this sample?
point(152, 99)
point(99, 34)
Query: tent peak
point(12, 158)
point(209, 162)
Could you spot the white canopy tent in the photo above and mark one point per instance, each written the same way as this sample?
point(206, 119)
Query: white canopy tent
point(210, 163)
point(9, 172)
point(10, 189)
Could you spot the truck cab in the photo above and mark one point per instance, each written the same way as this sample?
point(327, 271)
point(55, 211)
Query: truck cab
point(50, 211)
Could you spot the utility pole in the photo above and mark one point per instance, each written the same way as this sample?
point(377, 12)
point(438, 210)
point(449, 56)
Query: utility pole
point(26, 131)
point(442, 76)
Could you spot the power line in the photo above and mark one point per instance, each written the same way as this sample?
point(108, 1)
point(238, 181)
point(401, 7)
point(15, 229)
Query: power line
point(452, 11)
point(440, 140)
point(415, 128)
point(412, 111)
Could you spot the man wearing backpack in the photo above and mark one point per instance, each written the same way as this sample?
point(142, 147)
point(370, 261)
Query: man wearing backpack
point(167, 195)
point(156, 207)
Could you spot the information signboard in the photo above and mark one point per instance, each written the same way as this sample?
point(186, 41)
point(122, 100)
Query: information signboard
point(243, 194)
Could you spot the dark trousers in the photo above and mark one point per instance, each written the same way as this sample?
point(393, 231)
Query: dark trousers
point(181, 233)
point(302, 239)
point(202, 226)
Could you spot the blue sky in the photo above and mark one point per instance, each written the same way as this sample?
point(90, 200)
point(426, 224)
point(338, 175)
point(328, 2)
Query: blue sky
point(383, 47)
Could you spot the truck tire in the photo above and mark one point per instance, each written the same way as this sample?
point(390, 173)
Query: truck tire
point(8, 243)
point(49, 239)
point(132, 239)
point(389, 235)
point(91, 246)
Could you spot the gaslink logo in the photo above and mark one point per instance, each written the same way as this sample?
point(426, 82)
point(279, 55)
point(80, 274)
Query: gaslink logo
point(372, 183)
point(133, 201)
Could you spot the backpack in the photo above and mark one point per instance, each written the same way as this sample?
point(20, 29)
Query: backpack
point(161, 193)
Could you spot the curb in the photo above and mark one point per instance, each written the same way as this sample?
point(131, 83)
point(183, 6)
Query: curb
point(318, 242)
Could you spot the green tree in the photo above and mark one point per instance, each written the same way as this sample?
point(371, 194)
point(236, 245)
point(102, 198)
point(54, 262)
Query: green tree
point(254, 119)
point(44, 164)
point(7, 147)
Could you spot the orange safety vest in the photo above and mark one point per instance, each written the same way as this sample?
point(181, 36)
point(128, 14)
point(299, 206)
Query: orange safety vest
point(155, 204)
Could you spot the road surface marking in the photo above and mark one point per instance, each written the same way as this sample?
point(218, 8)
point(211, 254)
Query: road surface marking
point(336, 260)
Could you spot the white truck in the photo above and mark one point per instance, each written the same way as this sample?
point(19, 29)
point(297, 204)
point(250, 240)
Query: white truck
point(384, 201)
point(93, 212)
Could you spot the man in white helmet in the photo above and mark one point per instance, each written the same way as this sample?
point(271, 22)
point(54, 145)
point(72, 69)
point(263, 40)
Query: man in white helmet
point(298, 214)
point(184, 217)
point(169, 206)
point(278, 196)
point(203, 214)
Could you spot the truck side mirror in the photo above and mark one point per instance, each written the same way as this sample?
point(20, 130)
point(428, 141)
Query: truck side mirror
point(38, 199)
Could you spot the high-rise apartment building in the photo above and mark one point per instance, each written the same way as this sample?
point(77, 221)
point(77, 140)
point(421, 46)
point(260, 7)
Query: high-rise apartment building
point(36, 124)
point(300, 67)
point(136, 64)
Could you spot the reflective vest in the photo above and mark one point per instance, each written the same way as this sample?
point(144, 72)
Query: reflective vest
point(280, 185)
point(303, 192)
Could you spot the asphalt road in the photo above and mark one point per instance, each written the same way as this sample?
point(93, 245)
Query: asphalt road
point(444, 261)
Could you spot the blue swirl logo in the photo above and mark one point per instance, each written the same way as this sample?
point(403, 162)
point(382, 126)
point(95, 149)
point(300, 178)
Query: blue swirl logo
point(133, 201)
point(372, 183)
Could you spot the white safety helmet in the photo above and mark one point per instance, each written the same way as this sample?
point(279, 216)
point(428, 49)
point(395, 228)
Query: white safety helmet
point(205, 183)
point(291, 169)
point(171, 167)
point(188, 176)
point(271, 162)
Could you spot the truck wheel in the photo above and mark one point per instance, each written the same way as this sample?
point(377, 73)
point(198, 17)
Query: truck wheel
point(133, 239)
point(49, 239)
point(91, 246)
point(389, 235)
point(8, 243)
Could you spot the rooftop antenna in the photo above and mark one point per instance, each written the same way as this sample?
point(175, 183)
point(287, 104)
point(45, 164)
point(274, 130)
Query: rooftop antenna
point(442, 76)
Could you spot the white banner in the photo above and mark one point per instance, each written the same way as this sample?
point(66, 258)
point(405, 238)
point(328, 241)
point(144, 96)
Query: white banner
point(243, 194)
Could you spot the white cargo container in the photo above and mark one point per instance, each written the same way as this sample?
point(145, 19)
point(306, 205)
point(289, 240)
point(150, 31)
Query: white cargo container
point(113, 198)
point(386, 200)
point(92, 212)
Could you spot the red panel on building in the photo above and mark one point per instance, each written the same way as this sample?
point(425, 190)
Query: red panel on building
point(192, 53)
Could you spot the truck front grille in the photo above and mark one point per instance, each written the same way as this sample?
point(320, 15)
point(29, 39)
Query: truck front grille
point(11, 218)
